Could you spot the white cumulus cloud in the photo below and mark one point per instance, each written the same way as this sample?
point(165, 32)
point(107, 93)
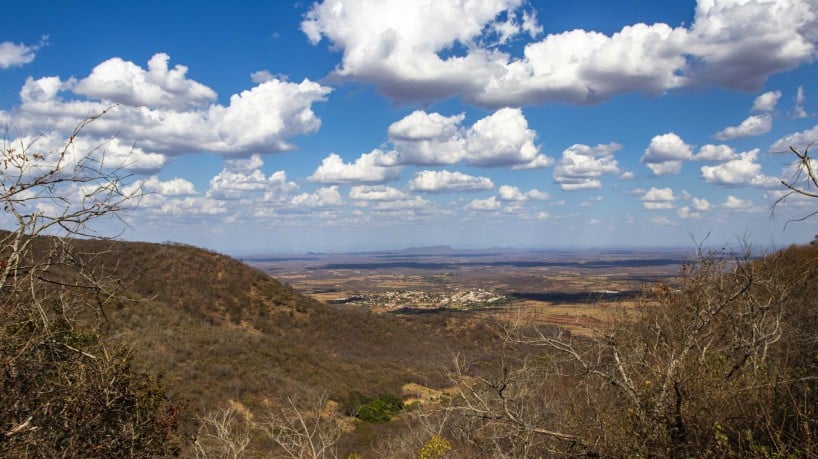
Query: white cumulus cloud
point(491, 203)
point(512, 193)
point(444, 181)
point(242, 177)
point(396, 44)
point(798, 110)
point(123, 82)
point(403, 49)
point(742, 171)
point(712, 152)
point(729, 53)
point(322, 197)
point(428, 139)
point(369, 168)
point(752, 126)
point(173, 187)
point(164, 112)
point(191, 206)
point(685, 212)
point(16, 54)
point(734, 203)
point(262, 76)
point(377, 193)
point(695, 210)
point(582, 166)
point(798, 140)
point(658, 199)
point(666, 153)
point(766, 102)
point(501, 139)
point(111, 153)
point(700, 204)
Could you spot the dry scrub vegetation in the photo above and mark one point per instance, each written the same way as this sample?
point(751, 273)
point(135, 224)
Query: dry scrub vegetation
point(111, 349)
point(724, 365)
point(65, 391)
point(217, 330)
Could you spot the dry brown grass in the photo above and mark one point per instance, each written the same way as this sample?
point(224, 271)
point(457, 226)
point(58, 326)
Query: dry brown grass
point(578, 319)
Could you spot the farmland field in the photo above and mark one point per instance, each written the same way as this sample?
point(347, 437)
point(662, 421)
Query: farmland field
point(567, 288)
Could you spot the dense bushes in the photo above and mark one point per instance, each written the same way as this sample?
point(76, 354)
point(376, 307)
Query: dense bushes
point(66, 395)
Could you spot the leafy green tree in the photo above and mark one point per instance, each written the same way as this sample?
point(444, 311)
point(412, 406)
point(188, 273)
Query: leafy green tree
point(380, 409)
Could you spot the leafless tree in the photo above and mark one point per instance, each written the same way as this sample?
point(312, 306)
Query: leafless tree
point(510, 407)
point(222, 434)
point(57, 194)
point(420, 424)
point(64, 391)
point(307, 427)
point(707, 365)
point(804, 180)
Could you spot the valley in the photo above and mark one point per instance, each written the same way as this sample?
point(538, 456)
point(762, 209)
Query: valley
point(572, 289)
point(482, 353)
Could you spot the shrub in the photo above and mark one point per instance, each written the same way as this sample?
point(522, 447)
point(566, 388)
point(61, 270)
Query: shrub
point(380, 409)
point(68, 396)
point(435, 448)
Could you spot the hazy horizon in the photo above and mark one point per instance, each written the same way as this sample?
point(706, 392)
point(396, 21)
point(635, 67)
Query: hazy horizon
point(349, 125)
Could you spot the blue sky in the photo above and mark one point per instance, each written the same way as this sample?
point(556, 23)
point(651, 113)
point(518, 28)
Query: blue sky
point(259, 127)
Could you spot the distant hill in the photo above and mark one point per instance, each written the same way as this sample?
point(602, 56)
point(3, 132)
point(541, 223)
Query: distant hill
point(430, 250)
point(216, 328)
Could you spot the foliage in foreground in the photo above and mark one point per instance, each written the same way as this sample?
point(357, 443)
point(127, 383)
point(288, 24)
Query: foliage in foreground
point(723, 365)
point(66, 395)
point(64, 392)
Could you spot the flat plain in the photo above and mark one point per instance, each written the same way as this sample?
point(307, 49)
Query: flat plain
point(571, 288)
